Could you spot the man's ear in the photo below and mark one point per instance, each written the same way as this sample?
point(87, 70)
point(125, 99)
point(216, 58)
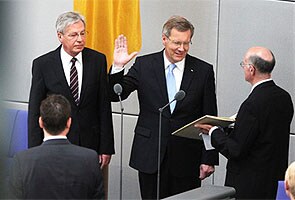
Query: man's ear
point(69, 122)
point(41, 123)
point(59, 35)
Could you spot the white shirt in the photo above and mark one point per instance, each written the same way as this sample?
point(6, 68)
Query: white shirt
point(178, 70)
point(52, 137)
point(66, 63)
point(116, 69)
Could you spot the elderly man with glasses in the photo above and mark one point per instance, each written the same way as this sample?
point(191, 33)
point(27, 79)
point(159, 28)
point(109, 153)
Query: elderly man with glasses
point(79, 74)
point(258, 146)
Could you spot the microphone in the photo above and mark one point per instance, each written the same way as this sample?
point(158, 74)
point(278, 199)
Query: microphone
point(118, 90)
point(178, 97)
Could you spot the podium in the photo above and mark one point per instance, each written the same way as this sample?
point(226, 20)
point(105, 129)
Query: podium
point(206, 192)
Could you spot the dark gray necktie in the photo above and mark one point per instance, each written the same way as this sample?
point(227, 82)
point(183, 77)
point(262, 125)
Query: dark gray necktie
point(74, 85)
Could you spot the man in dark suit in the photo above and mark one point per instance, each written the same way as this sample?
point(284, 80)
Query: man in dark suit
point(257, 148)
point(73, 67)
point(56, 169)
point(184, 162)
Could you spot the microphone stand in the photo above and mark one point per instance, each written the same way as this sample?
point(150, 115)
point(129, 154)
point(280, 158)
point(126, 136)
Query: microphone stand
point(118, 90)
point(121, 146)
point(178, 96)
point(159, 151)
point(159, 147)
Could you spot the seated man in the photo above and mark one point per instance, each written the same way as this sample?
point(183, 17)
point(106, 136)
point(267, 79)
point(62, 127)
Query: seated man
point(56, 169)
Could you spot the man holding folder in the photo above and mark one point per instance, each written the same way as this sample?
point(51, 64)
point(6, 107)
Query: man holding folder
point(257, 148)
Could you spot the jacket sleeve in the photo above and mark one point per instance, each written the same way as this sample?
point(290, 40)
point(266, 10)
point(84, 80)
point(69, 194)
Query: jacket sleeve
point(106, 145)
point(15, 180)
point(210, 157)
point(37, 94)
point(98, 179)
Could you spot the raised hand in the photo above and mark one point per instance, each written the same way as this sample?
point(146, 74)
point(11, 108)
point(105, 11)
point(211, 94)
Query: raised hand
point(121, 56)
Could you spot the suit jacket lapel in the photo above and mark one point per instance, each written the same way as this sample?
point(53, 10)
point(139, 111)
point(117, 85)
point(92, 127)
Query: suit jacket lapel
point(59, 71)
point(87, 69)
point(159, 72)
point(189, 72)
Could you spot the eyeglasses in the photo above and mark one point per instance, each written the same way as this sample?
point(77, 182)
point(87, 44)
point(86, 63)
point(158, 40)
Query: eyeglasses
point(242, 64)
point(178, 43)
point(75, 35)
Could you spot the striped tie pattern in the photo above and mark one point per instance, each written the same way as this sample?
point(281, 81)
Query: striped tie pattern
point(74, 86)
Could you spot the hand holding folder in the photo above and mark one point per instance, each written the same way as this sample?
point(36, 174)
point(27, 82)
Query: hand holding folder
point(190, 131)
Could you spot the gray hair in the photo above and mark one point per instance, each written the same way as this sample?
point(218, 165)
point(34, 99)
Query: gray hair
point(263, 66)
point(66, 19)
point(179, 23)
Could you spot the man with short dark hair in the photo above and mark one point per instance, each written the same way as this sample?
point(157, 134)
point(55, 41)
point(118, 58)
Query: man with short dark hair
point(56, 169)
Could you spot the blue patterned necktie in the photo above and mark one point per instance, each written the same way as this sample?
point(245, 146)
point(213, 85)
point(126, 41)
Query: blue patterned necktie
point(171, 85)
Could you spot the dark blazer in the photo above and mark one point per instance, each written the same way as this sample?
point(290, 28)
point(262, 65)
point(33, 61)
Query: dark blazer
point(92, 118)
point(56, 169)
point(257, 148)
point(147, 76)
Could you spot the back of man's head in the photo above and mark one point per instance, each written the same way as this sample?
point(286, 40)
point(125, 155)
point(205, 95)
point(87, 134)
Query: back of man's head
point(55, 111)
point(262, 58)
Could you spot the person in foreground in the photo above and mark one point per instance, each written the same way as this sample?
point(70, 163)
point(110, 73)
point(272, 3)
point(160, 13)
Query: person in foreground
point(184, 162)
point(290, 181)
point(79, 74)
point(56, 169)
point(257, 147)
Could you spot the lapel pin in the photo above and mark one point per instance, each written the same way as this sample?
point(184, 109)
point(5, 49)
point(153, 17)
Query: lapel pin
point(192, 70)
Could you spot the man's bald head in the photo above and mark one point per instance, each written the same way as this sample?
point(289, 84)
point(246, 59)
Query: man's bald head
point(262, 59)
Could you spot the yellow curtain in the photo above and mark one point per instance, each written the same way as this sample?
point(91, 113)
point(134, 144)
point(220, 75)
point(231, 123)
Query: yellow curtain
point(106, 20)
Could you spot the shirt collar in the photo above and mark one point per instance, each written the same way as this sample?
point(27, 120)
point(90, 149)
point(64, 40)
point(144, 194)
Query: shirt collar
point(66, 57)
point(260, 82)
point(179, 65)
point(53, 137)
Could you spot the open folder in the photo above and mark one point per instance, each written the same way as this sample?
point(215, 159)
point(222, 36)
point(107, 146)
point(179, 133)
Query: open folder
point(190, 131)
